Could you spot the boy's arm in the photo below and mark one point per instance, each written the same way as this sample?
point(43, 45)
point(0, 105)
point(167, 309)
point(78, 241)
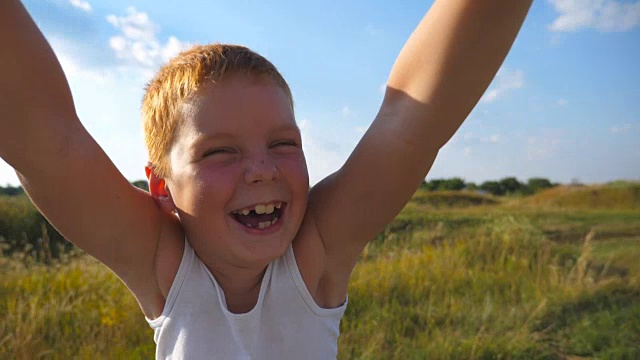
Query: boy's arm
point(64, 171)
point(439, 76)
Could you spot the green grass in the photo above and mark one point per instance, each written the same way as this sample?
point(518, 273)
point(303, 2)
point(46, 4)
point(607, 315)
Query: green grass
point(603, 323)
point(500, 280)
point(481, 296)
point(74, 309)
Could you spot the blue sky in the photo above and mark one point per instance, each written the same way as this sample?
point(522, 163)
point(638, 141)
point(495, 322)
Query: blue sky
point(565, 104)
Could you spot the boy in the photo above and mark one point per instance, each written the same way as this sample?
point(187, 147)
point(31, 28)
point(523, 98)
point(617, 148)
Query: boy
point(231, 256)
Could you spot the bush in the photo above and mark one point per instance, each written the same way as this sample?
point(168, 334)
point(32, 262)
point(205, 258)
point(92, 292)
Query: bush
point(11, 191)
point(23, 228)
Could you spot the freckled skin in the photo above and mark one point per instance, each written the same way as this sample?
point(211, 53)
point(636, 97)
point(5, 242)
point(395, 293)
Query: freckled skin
point(252, 155)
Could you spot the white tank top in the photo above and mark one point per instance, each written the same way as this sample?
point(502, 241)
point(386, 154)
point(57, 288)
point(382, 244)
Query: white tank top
point(286, 323)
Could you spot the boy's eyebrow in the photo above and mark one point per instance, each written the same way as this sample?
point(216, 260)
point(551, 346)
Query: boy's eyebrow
point(202, 137)
point(287, 127)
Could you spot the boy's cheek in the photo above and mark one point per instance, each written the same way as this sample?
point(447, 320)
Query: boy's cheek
point(206, 185)
point(298, 165)
point(298, 176)
point(217, 185)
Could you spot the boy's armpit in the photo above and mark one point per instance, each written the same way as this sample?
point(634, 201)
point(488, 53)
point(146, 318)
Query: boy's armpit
point(328, 288)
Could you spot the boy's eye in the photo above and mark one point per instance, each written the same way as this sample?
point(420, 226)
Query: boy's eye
point(284, 143)
point(217, 151)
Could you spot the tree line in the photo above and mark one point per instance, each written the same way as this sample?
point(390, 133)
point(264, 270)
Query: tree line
point(11, 190)
point(508, 186)
point(18, 190)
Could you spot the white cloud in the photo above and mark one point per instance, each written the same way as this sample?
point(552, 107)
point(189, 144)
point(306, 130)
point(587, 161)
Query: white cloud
point(555, 40)
point(83, 5)
point(7, 174)
point(562, 102)
point(138, 44)
point(504, 81)
point(493, 139)
point(535, 106)
point(72, 67)
point(321, 160)
point(467, 151)
point(373, 31)
point(383, 88)
point(173, 48)
point(453, 141)
point(360, 130)
point(539, 148)
point(468, 136)
point(602, 15)
point(346, 111)
point(620, 129)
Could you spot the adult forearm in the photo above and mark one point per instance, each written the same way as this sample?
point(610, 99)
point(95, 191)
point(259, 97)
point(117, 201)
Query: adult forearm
point(32, 83)
point(451, 58)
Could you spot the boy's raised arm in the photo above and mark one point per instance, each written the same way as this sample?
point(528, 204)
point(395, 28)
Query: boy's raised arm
point(64, 171)
point(439, 76)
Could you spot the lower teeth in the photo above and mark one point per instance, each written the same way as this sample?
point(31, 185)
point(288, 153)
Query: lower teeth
point(264, 224)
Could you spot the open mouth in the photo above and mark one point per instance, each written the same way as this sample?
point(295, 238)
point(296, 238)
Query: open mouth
point(259, 216)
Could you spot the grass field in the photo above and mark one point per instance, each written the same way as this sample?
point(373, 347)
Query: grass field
point(551, 276)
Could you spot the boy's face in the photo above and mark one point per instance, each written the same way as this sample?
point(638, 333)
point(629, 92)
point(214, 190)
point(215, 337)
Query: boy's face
point(238, 150)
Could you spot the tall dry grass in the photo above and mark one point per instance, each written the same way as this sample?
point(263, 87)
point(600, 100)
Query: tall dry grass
point(481, 283)
point(587, 197)
point(78, 309)
point(467, 298)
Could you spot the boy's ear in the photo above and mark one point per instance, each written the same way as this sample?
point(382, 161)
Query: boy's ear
point(158, 190)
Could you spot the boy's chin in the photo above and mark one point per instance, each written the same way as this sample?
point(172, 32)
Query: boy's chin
point(265, 252)
point(263, 244)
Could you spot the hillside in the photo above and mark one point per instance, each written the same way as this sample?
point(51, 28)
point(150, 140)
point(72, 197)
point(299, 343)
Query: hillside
point(452, 199)
point(620, 196)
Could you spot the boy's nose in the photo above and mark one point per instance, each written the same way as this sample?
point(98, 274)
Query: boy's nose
point(261, 170)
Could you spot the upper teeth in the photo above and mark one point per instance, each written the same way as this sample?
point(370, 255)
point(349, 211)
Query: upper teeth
point(261, 209)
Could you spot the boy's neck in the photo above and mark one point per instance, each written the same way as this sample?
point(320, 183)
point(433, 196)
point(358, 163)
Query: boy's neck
point(241, 289)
